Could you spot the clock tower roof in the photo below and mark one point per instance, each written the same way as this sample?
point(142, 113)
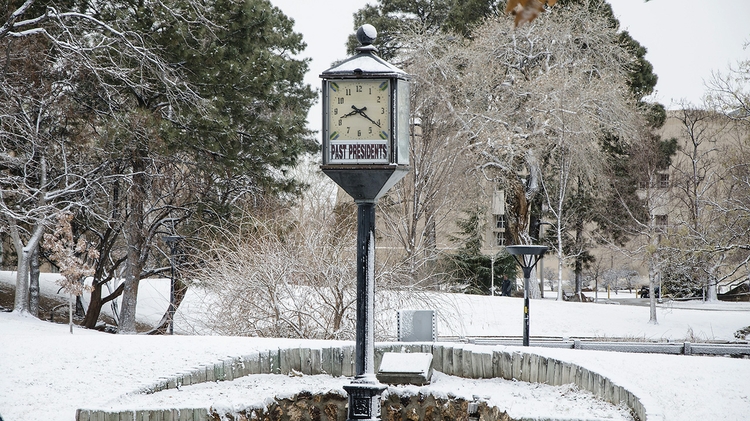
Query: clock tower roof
point(365, 63)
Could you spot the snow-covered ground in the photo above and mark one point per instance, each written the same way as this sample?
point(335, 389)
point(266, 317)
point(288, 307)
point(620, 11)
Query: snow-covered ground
point(47, 373)
point(462, 315)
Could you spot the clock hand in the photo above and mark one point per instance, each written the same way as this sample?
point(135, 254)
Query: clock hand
point(362, 113)
point(356, 111)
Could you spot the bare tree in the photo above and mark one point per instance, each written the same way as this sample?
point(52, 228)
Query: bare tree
point(284, 277)
point(293, 273)
point(520, 97)
point(696, 175)
point(76, 58)
point(419, 209)
point(643, 219)
point(734, 207)
point(729, 93)
point(42, 175)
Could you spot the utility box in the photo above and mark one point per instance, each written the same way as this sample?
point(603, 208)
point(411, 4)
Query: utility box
point(417, 326)
point(405, 368)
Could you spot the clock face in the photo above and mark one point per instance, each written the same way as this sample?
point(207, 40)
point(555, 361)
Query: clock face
point(359, 109)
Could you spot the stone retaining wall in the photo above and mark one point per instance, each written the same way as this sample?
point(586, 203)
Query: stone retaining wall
point(332, 407)
point(452, 359)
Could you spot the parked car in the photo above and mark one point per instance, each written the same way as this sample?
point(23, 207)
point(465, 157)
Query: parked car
point(643, 293)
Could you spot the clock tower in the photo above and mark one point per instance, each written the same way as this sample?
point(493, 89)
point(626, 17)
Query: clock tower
point(366, 152)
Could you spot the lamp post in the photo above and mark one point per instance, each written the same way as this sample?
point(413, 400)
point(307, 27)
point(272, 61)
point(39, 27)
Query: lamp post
point(365, 151)
point(492, 276)
point(171, 241)
point(529, 256)
point(541, 264)
point(493, 259)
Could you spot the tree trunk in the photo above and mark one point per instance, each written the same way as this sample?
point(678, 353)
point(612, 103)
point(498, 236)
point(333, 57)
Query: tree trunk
point(23, 253)
point(652, 296)
point(34, 282)
point(95, 306)
point(79, 307)
point(429, 253)
point(540, 265)
point(579, 245)
point(95, 309)
point(578, 280)
point(534, 292)
point(711, 293)
point(559, 276)
point(135, 242)
point(130, 292)
point(180, 290)
point(652, 286)
point(21, 301)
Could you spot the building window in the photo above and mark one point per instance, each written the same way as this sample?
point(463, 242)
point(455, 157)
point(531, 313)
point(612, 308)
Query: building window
point(498, 202)
point(663, 181)
point(500, 222)
point(500, 238)
point(660, 181)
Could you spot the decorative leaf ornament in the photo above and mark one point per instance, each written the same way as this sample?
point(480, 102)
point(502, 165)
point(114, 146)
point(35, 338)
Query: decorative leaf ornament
point(526, 10)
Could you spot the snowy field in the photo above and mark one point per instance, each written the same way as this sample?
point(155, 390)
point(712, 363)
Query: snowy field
point(46, 373)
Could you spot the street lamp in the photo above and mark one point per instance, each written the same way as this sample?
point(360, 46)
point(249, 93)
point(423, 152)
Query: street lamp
point(365, 151)
point(529, 256)
point(171, 241)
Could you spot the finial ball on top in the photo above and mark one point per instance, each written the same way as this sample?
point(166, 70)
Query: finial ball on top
point(366, 34)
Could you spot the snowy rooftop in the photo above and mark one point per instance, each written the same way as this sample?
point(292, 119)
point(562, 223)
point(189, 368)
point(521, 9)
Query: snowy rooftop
point(364, 63)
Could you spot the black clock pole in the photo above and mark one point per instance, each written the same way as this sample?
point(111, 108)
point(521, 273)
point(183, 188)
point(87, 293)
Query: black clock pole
point(365, 390)
point(365, 338)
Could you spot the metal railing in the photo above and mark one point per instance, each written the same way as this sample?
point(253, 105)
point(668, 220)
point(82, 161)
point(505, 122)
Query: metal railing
point(730, 349)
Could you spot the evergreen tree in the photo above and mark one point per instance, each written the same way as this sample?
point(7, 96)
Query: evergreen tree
point(244, 63)
point(234, 145)
point(188, 108)
point(393, 17)
point(468, 265)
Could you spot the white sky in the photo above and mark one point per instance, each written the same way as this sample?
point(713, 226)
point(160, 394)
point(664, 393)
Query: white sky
point(686, 39)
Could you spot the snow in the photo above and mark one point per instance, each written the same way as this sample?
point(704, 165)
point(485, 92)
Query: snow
point(673, 387)
point(47, 373)
point(471, 315)
point(413, 363)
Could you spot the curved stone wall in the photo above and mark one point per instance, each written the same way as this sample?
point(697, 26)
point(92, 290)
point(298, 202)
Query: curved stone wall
point(452, 359)
point(395, 407)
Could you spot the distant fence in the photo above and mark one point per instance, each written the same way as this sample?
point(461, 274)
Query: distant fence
point(452, 359)
point(674, 348)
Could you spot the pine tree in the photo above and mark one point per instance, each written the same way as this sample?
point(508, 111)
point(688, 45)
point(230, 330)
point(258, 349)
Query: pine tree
point(468, 265)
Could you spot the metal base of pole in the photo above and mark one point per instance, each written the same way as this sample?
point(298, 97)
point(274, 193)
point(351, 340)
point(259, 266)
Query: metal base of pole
point(364, 401)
